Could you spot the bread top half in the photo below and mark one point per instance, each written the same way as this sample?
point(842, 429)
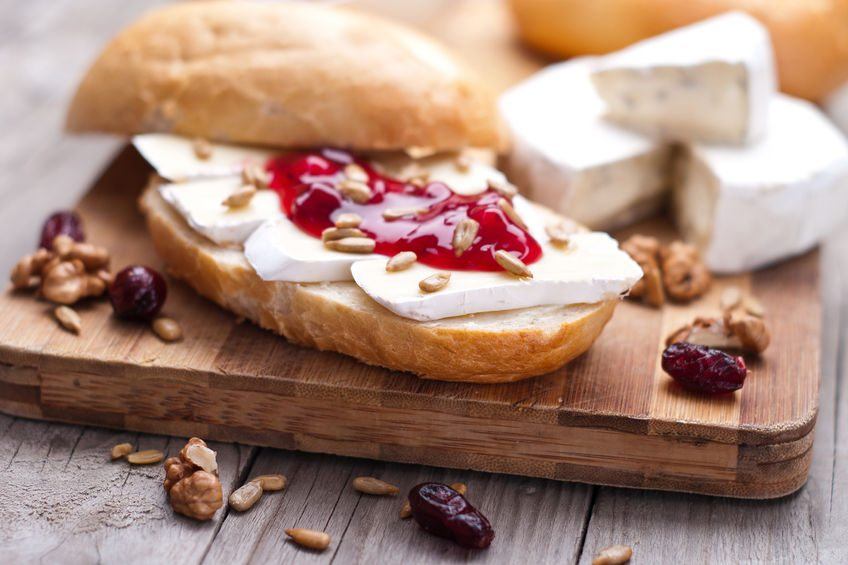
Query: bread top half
point(284, 75)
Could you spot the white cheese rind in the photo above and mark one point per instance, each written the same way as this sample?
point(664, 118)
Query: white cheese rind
point(711, 81)
point(279, 251)
point(749, 207)
point(200, 204)
point(174, 158)
point(591, 269)
point(836, 107)
point(567, 157)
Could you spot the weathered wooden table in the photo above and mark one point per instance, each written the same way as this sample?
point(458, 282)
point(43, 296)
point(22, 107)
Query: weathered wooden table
point(62, 501)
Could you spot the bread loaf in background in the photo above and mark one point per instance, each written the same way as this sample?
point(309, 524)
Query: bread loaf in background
point(810, 37)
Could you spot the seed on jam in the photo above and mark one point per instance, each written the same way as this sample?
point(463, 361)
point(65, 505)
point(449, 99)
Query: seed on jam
point(315, 191)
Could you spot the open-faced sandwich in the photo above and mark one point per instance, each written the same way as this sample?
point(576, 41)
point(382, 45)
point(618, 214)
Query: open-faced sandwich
point(328, 175)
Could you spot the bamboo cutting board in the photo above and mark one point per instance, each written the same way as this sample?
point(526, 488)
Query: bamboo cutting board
point(611, 417)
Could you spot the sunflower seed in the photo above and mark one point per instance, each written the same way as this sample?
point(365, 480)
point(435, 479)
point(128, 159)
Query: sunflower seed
point(405, 510)
point(459, 487)
point(391, 214)
point(357, 191)
point(414, 173)
point(331, 234)
point(146, 457)
point(202, 148)
point(167, 329)
point(270, 483)
point(253, 174)
point(371, 485)
point(352, 245)
point(244, 497)
point(505, 189)
point(355, 172)
point(401, 261)
point(69, 319)
point(434, 282)
point(348, 221)
point(309, 538)
point(121, 450)
point(613, 555)
point(241, 197)
point(463, 235)
point(510, 212)
point(560, 232)
point(462, 163)
point(512, 264)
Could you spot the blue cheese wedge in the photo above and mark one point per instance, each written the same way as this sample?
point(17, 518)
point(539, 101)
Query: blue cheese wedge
point(746, 207)
point(711, 82)
point(567, 157)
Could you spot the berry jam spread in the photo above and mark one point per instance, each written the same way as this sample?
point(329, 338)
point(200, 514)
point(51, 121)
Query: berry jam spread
point(307, 184)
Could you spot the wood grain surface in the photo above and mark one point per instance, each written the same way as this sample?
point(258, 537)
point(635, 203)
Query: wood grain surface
point(63, 510)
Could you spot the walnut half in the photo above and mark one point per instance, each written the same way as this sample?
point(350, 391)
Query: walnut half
point(741, 332)
point(192, 483)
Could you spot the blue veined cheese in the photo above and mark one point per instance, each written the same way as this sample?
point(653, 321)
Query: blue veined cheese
point(747, 207)
point(567, 157)
point(710, 82)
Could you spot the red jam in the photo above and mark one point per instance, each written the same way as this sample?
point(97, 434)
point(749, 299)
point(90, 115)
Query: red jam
point(307, 185)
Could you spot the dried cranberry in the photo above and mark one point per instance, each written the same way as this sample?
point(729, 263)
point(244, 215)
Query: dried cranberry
point(442, 511)
point(138, 292)
point(703, 369)
point(63, 222)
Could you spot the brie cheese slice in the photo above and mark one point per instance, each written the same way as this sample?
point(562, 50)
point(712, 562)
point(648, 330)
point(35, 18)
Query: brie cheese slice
point(711, 81)
point(200, 203)
point(280, 251)
point(567, 157)
point(748, 207)
point(590, 269)
point(174, 158)
point(470, 179)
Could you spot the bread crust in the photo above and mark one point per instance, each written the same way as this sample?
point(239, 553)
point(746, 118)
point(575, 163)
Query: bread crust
point(484, 348)
point(810, 38)
point(285, 75)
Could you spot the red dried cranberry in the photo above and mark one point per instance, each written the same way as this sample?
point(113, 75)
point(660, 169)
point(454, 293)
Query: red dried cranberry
point(63, 222)
point(703, 369)
point(138, 292)
point(442, 511)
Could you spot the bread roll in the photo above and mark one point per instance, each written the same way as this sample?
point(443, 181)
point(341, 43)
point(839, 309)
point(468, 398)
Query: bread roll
point(810, 37)
point(284, 75)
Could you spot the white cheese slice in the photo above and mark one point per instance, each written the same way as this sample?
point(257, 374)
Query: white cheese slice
point(281, 251)
point(711, 81)
point(748, 207)
point(567, 157)
point(470, 180)
point(200, 204)
point(591, 269)
point(836, 106)
point(174, 158)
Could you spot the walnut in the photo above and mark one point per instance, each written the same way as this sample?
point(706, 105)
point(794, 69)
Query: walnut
point(66, 282)
point(751, 331)
point(684, 275)
point(175, 471)
point(197, 496)
point(27, 272)
point(191, 481)
point(645, 251)
point(742, 332)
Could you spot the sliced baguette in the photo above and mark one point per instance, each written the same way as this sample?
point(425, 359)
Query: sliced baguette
point(485, 348)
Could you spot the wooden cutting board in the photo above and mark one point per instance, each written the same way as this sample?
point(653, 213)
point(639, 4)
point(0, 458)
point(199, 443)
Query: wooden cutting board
point(611, 417)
